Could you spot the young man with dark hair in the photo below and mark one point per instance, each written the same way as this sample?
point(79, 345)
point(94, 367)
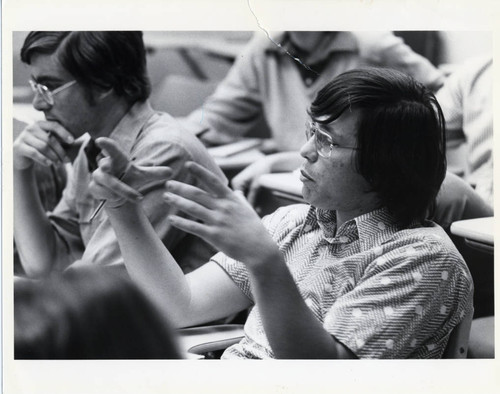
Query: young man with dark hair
point(357, 273)
point(89, 85)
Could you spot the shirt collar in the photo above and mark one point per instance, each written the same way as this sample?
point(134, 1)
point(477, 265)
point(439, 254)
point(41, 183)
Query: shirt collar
point(373, 228)
point(343, 41)
point(128, 128)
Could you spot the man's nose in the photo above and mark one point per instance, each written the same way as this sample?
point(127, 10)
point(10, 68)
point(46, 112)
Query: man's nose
point(39, 103)
point(308, 150)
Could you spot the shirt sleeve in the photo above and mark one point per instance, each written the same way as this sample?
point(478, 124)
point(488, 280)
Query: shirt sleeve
point(386, 49)
point(407, 310)
point(236, 105)
point(278, 224)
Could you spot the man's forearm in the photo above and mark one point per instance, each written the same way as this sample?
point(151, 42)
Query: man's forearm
point(291, 328)
point(149, 263)
point(34, 236)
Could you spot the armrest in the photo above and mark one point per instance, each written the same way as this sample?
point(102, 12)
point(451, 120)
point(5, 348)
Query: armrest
point(204, 339)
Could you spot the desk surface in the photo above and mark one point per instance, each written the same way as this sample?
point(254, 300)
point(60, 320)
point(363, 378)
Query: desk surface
point(479, 230)
point(286, 182)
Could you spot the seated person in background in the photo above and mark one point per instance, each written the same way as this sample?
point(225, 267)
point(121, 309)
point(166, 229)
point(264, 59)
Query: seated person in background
point(467, 102)
point(88, 314)
point(93, 82)
point(278, 82)
point(358, 273)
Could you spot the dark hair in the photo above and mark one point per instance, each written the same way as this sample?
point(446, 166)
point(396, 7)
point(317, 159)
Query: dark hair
point(88, 314)
point(105, 59)
point(401, 136)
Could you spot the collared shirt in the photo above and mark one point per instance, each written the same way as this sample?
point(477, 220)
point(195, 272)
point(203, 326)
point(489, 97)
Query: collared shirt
point(265, 82)
point(466, 99)
point(150, 139)
point(382, 291)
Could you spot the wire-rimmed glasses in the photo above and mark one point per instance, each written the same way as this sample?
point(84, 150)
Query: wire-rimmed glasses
point(47, 94)
point(323, 141)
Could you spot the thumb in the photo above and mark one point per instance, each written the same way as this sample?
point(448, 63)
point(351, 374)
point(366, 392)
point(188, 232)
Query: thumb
point(118, 158)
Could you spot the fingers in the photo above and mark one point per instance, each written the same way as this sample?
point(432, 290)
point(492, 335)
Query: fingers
point(211, 182)
point(190, 226)
point(150, 175)
point(190, 207)
point(105, 164)
point(191, 192)
point(107, 187)
point(118, 162)
point(57, 130)
point(243, 179)
point(31, 154)
point(39, 144)
point(239, 184)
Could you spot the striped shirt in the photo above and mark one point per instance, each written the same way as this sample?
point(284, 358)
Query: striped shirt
point(382, 291)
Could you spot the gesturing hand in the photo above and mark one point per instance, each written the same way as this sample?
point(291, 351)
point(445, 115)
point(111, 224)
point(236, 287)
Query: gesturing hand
point(221, 217)
point(43, 142)
point(118, 180)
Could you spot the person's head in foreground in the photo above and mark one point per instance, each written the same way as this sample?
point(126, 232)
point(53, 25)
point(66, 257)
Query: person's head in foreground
point(88, 314)
point(378, 141)
point(81, 77)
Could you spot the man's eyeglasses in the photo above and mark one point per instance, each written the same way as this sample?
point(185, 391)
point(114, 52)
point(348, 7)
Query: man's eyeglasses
point(46, 93)
point(323, 141)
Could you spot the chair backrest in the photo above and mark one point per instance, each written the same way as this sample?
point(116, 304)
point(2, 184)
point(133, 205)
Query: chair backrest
point(458, 342)
point(205, 339)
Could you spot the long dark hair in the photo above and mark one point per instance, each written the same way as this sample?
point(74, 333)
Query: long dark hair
point(401, 136)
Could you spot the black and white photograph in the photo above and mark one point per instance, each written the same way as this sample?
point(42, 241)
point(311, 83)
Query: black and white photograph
point(303, 194)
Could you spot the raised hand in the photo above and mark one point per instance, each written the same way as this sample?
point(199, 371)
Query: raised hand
point(118, 180)
point(220, 216)
point(43, 142)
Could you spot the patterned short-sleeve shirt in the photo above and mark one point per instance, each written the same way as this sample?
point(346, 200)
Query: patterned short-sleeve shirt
point(382, 291)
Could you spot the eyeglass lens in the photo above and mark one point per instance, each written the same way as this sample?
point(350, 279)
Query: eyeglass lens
point(43, 91)
point(322, 142)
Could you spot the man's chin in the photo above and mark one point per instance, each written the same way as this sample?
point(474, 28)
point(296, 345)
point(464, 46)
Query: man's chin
point(306, 195)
